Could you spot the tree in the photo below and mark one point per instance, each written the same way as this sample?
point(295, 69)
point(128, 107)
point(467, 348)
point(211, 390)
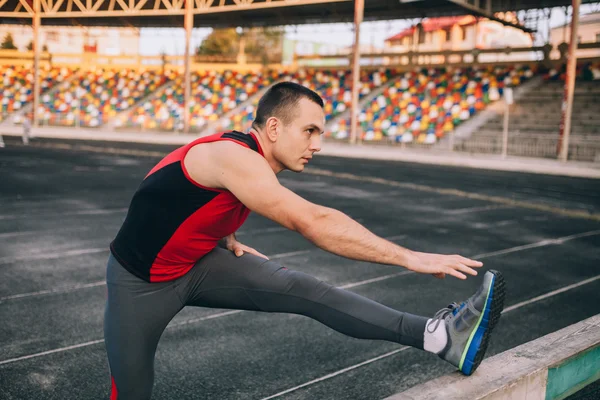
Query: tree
point(261, 44)
point(8, 43)
point(265, 44)
point(30, 47)
point(220, 42)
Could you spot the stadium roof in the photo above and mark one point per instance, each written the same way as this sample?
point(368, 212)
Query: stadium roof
point(232, 13)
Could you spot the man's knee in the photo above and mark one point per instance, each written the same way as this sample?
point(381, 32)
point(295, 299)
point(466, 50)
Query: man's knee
point(290, 282)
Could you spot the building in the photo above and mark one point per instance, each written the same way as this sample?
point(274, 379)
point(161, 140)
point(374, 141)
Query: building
point(458, 33)
point(588, 32)
point(76, 40)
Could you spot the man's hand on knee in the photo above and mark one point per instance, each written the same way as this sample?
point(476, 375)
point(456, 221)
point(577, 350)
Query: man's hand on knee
point(238, 248)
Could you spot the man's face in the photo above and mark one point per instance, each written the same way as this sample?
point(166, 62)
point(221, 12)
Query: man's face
point(301, 138)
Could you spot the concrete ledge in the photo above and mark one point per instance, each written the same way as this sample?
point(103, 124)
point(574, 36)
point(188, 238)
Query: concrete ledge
point(551, 367)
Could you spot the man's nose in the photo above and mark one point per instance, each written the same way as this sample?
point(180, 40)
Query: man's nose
point(315, 144)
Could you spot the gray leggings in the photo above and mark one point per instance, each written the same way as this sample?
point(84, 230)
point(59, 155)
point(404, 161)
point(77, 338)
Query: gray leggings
point(137, 312)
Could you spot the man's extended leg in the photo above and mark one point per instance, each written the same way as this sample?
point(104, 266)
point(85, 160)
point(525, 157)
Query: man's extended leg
point(136, 315)
point(459, 334)
point(222, 280)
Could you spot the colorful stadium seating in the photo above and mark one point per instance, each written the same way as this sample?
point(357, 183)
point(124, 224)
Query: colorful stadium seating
point(424, 105)
point(98, 95)
point(17, 85)
point(419, 106)
point(214, 93)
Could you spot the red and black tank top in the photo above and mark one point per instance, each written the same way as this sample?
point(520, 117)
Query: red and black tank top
point(173, 221)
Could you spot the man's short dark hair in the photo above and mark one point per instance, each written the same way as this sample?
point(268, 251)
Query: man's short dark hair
point(281, 100)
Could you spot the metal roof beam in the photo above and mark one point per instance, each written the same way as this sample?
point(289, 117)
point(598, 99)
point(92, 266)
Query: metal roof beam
point(485, 10)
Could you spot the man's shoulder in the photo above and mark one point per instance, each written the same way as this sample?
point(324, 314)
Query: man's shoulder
point(222, 154)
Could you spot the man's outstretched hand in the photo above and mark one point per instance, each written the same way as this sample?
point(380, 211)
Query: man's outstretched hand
point(439, 265)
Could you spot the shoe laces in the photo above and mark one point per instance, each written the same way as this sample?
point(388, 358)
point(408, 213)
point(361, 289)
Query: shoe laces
point(442, 314)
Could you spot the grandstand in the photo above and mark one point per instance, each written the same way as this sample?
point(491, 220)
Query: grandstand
point(409, 106)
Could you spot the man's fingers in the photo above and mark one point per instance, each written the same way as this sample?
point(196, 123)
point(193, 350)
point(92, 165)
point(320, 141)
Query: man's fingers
point(465, 269)
point(253, 251)
point(470, 263)
point(456, 273)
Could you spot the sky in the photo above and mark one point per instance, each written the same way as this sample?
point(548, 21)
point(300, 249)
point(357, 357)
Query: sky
point(153, 41)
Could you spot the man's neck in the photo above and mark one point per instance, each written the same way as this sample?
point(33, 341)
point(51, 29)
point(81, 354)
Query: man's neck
point(267, 153)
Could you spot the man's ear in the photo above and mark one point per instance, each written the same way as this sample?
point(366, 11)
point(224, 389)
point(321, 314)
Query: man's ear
point(273, 128)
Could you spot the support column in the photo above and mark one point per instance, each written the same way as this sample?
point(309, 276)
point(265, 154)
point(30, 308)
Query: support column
point(188, 25)
point(36, 23)
point(241, 57)
point(567, 105)
point(359, 8)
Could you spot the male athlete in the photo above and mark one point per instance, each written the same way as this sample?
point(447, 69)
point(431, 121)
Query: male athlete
point(177, 248)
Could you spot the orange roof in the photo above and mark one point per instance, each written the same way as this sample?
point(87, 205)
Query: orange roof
point(434, 24)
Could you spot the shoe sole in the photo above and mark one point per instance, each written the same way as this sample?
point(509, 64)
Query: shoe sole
point(478, 342)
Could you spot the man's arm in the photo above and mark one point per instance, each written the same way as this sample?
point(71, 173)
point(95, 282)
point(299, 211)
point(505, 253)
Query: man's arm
point(248, 176)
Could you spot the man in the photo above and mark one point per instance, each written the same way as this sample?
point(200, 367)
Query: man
point(166, 255)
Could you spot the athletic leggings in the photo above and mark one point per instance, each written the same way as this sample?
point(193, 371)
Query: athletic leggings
point(137, 312)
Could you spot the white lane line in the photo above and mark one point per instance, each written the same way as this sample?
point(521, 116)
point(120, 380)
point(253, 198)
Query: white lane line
point(53, 291)
point(547, 242)
point(341, 371)
point(397, 237)
point(290, 254)
point(380, 278)
point(69, 213)
point(508, 309)
point(41, 232)
point(263, 230)
point(45, 353)
point(52, 256)
point(469, 210)
point(16, 234)
point(212, 316)
point(550, 294)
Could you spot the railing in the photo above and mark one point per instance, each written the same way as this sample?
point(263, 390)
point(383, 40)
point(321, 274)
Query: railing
point(441, 57)
point(388, 58)
point(581, 148)
point(586, 148)
point(88, 60)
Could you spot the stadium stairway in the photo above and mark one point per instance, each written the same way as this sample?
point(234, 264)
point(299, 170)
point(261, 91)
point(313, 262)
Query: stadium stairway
point(17, 117)
point(540, 111)
point(534, 124)
point(113, 122)
point(492, 112)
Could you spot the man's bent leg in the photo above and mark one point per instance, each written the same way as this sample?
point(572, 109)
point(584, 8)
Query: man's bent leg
point(136, 315)
point(222, 280)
